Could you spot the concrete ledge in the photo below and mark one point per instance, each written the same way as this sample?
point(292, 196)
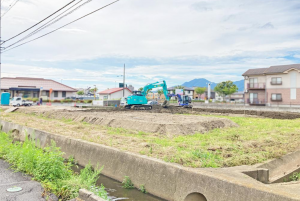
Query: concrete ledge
point(88, 196)
point(168, 181)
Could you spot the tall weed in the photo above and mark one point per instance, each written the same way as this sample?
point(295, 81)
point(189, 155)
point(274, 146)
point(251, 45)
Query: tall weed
point(49, 167)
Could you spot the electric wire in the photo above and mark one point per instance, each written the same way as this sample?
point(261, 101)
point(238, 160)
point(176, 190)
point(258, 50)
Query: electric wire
point(10, 7)
point(53, 21)
point(39, 22)
point(10, 46)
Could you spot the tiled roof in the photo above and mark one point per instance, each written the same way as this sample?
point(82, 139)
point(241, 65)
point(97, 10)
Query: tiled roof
point(271, 70)
point(281, 69)
point(256, 71)
point(26, 82)
point(112, 90)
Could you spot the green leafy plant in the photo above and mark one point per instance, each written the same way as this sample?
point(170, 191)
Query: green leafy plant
point(80, 93)
point(226, 88)
point(127, 183)
point(49, 167)
point(143, 189)
point(295, 176)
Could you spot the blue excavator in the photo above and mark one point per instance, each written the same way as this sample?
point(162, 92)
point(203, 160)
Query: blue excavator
point(183, 101)
point(138, 100)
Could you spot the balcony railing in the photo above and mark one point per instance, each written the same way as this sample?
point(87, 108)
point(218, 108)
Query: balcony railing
point(276, 100)
point(256, 101)
point(256, 85)
point(276, 83)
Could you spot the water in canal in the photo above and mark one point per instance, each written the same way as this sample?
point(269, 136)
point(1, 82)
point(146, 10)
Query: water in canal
point(117, 193)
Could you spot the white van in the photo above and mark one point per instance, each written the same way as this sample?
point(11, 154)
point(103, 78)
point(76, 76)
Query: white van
point(123, 102)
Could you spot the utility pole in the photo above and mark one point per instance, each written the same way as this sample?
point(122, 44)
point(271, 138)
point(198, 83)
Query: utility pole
point(124, 82)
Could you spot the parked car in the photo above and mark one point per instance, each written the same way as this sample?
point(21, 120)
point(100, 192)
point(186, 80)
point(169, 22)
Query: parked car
point(123, 102)
point(18, 101)
point(152, 103)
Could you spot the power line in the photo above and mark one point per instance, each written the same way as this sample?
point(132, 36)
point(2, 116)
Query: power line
point(60, 27)
point(39, 22)
point(10, 7)
point(52, 21)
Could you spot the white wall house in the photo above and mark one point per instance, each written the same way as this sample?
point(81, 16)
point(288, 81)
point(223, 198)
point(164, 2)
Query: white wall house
point(114, 94)
point(27, 87)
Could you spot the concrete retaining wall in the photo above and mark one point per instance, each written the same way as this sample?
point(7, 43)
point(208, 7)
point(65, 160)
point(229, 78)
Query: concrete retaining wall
point(169, 181)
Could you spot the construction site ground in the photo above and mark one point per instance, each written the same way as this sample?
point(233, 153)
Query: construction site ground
point(189, 137)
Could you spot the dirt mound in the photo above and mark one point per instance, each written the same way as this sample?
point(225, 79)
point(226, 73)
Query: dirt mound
point(163, 123)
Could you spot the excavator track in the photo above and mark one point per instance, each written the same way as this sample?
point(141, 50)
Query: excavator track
point(138, 107)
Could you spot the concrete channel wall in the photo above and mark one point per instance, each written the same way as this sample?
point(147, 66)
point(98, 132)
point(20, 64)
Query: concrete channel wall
point(168, 181)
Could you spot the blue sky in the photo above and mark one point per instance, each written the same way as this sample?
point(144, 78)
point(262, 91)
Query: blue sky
point(174, 40)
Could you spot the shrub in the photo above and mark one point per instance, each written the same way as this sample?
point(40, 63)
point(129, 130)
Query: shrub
point(49, 167)
point(127, 183)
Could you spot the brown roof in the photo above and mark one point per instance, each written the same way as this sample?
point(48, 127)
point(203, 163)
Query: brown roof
point(281, 69)
point(26, 82)
point(256, 71)
point(271, 70)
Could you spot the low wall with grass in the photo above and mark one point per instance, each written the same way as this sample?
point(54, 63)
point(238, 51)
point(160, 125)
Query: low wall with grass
point(166, 180)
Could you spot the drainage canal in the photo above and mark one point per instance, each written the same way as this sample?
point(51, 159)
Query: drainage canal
point(117, 192)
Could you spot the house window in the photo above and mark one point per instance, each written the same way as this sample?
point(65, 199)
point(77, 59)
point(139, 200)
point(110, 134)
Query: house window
point(276, 97)
point(253, 82)
point(276, 80)
point(64, 94)
point(55, 94)
point(35, 95)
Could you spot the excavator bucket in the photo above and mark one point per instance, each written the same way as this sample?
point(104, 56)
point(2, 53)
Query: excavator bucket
point(165, 104)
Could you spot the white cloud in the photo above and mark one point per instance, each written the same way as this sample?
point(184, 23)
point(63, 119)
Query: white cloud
point(210, 39)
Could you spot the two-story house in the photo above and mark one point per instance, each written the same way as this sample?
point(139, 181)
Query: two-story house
point(187, 91)
point(276, 85)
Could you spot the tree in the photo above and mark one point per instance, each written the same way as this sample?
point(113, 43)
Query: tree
point(80, 93)
point(226, 88)
point(160, 92)
point(200, 90)
point(141, 89)
point(94, 90)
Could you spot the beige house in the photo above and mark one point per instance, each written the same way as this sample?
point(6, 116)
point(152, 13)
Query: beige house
point(276, 85)
point(34, 87)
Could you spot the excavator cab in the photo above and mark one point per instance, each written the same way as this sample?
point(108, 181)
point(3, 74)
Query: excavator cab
point(137, 93)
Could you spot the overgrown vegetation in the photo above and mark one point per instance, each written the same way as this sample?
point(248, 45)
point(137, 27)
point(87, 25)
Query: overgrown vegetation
point(127, 183)
point(49, 167)
point(143, 189)
point(254, 141)
point(295, 176)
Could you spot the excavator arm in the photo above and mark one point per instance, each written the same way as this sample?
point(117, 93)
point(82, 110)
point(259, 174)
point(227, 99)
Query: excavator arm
point(156, 85)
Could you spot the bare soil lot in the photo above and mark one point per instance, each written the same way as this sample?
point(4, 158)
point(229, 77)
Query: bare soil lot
point(253, 141)
point(167, 124)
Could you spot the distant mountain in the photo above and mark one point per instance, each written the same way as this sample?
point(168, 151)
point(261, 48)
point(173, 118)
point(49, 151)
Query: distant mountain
point(201, 82)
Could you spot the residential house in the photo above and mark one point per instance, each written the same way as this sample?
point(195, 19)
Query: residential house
point(204, 96)
point(276, 85)
point(114, 94)
point(236, 97)
point(155, 96)
point(186, 91)
point(35, 87)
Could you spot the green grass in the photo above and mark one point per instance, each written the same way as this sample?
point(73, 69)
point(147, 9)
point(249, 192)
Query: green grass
point(255, 140)
point(49, 167)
